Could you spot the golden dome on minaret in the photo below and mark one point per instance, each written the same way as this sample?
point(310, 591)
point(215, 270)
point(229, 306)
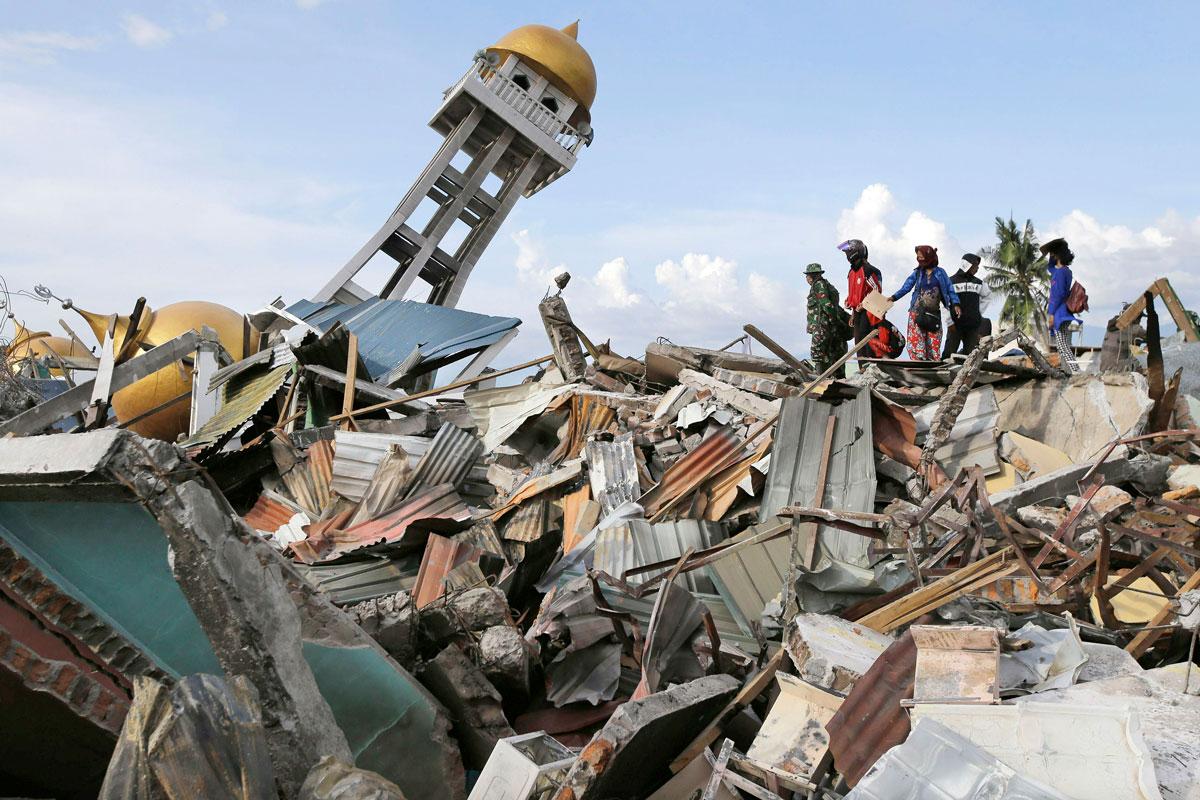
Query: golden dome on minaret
point(159, 327)
point(35, 344)
point(558, 56)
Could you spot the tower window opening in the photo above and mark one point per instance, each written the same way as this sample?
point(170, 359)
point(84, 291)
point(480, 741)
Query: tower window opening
point(522, 81)
point(549, 102)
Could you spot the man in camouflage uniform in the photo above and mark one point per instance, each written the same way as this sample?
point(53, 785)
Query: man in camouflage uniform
point(825, 322)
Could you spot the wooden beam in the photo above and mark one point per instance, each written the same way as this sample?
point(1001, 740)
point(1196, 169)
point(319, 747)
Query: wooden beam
point(1146, 639)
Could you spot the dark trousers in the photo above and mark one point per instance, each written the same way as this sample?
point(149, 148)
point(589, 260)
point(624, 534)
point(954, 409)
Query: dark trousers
point(957, 336)
point(862, 325)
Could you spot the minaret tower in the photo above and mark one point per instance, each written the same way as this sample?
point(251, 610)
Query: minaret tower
point(520, 113)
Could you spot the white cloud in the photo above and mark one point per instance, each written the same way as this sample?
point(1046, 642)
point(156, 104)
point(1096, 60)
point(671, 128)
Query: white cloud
point(144, 33)
point(872, 219)
point(216, 20)
point(1116, 263)
point(107, 203)
point(612, 279)
point(43, 47)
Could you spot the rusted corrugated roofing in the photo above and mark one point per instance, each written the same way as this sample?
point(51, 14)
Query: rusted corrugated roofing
point(528, 522)
point(588, 415)
point(720, 448)
point(243, 399)
point(436, 502)
point(449, 459)
point(270, 513)
point(442, 554)
point(871, 719)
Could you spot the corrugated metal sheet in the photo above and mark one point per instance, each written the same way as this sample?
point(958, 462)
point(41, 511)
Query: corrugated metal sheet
point(972, 440)
point(727, 627)
point(612, 472)
point(528, 522)
point(442, 554)
point(849, 483)
point(688, 472)
point(357, 455)
point(242, 401)
point(871, 719)
point(389, 331)
point(751, 577)
point(270, 512)
point(588, 415)
point(437, 502)
point(448, 459)
point(279, 355)
point(361, 580)
point(638, 543)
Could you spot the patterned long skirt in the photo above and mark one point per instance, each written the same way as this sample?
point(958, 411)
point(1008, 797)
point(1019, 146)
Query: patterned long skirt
point(923, 345)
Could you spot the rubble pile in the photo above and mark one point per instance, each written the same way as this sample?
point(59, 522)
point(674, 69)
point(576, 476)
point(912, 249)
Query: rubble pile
point(692, 573)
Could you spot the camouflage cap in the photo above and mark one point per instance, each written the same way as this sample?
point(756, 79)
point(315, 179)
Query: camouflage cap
point(814, 269)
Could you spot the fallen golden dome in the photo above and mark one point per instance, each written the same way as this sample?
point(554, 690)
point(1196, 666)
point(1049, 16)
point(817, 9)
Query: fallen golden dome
point(155, 328)
point(558, 56)
point(36, 344)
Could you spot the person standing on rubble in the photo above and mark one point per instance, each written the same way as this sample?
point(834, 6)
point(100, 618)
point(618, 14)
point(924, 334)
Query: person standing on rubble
point(863, 278)
point(1061, 318)
point(931, 288)
point(973, 295)
point(827, 323)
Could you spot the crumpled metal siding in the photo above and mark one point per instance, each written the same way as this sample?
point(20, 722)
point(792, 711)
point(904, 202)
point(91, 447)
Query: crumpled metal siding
point(637, 543)
point(389, 331)
point(850, 479)
point(612, 472)
point(871, 719)
point(449, 459)
point(357, 456)
point(719, 448)
point(240, 404)
point(972, 440)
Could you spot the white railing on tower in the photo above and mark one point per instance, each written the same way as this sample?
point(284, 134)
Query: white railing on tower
point(526, 105)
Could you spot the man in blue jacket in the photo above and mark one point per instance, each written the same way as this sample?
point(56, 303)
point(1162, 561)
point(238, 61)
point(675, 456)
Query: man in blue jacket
point(931, 289)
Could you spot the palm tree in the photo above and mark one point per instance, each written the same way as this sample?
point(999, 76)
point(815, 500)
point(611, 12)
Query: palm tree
point(1018, 270)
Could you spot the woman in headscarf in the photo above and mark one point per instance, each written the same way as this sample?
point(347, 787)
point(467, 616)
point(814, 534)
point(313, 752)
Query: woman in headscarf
point(1061, 318)
point(931, 289)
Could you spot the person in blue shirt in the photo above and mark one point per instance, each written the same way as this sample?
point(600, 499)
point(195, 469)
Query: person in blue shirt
point(931, 289)
point(1060, 317)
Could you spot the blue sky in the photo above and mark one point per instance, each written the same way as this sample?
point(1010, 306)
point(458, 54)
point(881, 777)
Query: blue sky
point(233, 152)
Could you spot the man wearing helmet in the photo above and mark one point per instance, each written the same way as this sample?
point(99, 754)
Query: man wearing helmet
point(863, 278)
point(827, 323)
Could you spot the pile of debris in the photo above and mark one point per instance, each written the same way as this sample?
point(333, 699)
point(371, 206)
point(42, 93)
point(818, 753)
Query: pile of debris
point(694, 574)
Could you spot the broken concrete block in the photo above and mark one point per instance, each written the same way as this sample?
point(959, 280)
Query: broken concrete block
point(1184, 476)
point(202, 738)
point(1080, 416)
point(392, 621)
point(505, 658)
point(471, 611)
point(475, 705)
point(630, 755)
point(331, 779)
point(1106, 503)
point(526, 767)
point(793, 739)
point(1031, 457)
point(832, 653)
point(1044, 518)
point(744, 402)
point(956, 664)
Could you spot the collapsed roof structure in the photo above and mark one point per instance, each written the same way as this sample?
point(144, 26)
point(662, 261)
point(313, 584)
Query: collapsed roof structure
point(285, 563)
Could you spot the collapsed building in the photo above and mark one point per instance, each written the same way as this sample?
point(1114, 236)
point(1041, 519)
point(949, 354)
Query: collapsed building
point(281, 555)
